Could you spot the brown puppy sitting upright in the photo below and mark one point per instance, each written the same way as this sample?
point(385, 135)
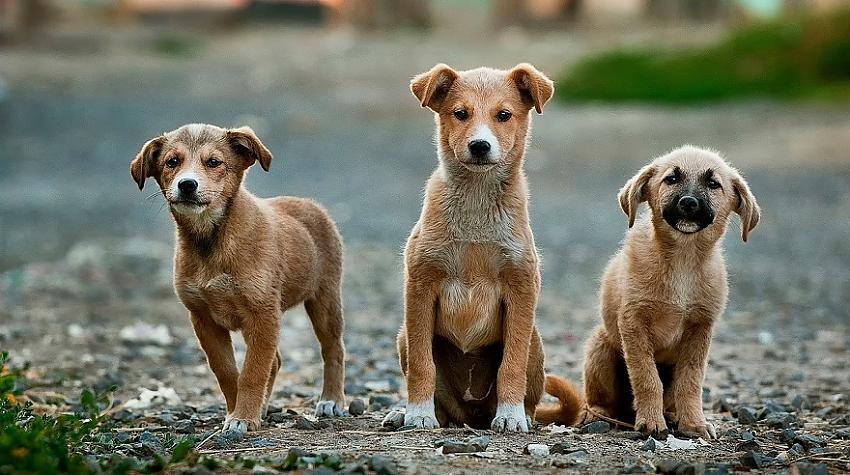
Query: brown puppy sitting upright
point(240, 261)
point(661, 295)
point(469, 345)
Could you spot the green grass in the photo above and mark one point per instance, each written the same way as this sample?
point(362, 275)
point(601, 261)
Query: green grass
point(77, 443)
point(83, 443)
point(806, 57)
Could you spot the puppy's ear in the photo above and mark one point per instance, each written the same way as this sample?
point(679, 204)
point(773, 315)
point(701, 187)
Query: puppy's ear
point(747, 207)
point(535, 88)
point(432, 87)
point(633, 193)
point(245, 143)
point(142, 166)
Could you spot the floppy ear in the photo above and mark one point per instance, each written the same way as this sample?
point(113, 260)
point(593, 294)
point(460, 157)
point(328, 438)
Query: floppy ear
point(633, 194)
point(535, 88)
point(142, 166)
point(245, 142)
point(431, 87)
point(747, 207)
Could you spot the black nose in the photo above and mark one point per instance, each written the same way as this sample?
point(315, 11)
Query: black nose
point(479, 148)
point(187, 185)
point(688, 204)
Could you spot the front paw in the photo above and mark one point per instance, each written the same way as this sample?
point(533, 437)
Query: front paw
point(510, 418)
point(698, 429)
point(421, 415)
point(653, 425)
point(329, 409)
point(239, 426)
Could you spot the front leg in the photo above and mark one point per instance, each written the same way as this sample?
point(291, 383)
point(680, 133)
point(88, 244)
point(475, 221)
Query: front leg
point(419, 316)
point(261, 336)
point(647, 388)
point(520, 289)
point(688, 380)
point(218, 347)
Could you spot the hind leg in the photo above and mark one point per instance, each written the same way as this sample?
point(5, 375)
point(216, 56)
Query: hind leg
point(325, 313)
point(600, 378)
point(270, 386)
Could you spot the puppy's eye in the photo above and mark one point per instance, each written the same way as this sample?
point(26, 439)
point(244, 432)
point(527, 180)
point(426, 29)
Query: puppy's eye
point(671, 179)
point(713, 184)
point(213, 162)
point(503, 115)
point(461, 114)
point(172, 162)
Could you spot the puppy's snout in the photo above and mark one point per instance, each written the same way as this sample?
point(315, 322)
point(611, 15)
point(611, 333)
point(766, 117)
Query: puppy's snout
point(187, 185)
point(479, 148)
point(688, 205)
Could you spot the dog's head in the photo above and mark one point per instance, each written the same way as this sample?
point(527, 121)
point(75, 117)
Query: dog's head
point(690, 190)
point(482, 114)
point(199, 167)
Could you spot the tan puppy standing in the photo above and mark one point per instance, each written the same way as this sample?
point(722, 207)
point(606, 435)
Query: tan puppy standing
point(240, 261)
point(661, 295)
point(469, 346)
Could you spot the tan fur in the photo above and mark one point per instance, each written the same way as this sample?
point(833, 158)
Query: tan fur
point(242, 261)
point(661, 295)
point(469, 342)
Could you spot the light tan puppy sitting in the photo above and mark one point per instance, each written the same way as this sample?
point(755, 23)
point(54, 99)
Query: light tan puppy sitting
point(240, 261)
point(469, 346)
point(661, 295)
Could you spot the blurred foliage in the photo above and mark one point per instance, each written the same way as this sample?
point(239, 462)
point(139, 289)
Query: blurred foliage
point(176, 46)
point(791, 58)
point(67, 443)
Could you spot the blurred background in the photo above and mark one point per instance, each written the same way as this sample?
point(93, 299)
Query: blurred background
point(84, 83)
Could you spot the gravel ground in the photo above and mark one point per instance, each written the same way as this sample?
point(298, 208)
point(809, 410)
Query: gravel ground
point(85, 258)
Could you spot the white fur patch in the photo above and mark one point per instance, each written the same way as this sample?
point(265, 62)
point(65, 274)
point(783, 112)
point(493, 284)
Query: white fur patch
point(421, 415)
point(483, 132)
point(188, 174)
point(510, 418)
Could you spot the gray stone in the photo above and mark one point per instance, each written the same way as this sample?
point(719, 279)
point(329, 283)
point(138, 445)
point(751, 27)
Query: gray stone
point(357, 407)
point(597, 427)
point(747, 415)
point(650, 445)
point(382, 465)
point(184, 427)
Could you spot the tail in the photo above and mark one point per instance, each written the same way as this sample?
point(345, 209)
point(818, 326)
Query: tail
point(571, 402)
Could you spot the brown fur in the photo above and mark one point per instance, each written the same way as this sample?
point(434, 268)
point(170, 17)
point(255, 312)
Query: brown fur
point(240, 261)
point(661, 295)
point(469, 342)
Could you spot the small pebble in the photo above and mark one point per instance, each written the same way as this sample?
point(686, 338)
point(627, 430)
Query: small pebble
point(357, 407)
point(561, 448)
point(747, 415)
point(184, 427)
point(597, 427)
point(380, 401)
point(808, 441)
point(650, 445)
point(303, 423)
point(778, 420)
point(801, 403)
point(382, 465)
point(537, 450)
point(752, 460)
point(640, 466)
point(747, 446)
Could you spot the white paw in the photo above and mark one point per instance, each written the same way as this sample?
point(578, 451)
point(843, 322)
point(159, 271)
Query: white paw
point(421, 415)
point(235, 426)
point(393, 419)
point(510, 418)
point(328, 409)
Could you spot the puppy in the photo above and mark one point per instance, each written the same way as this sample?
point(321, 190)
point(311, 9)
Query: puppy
point(469, 346)
point(661, 295)
point(240, 261)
